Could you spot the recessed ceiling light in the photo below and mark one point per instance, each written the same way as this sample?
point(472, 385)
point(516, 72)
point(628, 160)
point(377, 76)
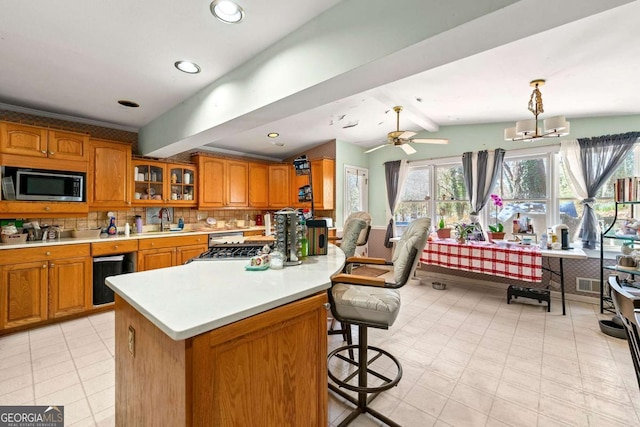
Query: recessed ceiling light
point(227, 11)
point(187, 67)
point(273, 134)
point(129, 104)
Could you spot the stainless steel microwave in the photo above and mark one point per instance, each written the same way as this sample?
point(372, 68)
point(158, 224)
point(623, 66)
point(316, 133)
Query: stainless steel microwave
point(47, 185)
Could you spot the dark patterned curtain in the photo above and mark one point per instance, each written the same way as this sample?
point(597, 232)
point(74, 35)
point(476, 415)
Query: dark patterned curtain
point(391, 174)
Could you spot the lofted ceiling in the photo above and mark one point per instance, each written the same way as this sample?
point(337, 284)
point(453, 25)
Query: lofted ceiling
point(77, 58)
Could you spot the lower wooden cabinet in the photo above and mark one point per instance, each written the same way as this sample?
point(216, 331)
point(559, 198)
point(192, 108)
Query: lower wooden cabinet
point(169, 251)
point(68, 290)
point(268, 369)
point(57, 283)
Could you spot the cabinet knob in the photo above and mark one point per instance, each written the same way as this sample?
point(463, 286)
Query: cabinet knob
point(47, 208)
point(51, 153)
point(44, 265)
point(115, 247)
point(47, 253)
point(44, 151)
point(52, 265)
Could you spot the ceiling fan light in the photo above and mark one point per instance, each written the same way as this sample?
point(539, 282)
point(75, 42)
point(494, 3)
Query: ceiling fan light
point(525, 127)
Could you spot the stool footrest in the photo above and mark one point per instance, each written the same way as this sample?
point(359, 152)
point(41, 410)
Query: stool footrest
point(343, 382)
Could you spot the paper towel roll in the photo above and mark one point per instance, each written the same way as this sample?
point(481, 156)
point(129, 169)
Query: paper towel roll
point(267, 224)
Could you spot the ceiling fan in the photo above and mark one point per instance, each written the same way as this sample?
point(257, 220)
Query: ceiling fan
point(401, 138)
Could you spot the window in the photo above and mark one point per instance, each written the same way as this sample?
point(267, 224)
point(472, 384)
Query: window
point(524, 188)
point(416, 194)
point(453, 204)
point(356, 189)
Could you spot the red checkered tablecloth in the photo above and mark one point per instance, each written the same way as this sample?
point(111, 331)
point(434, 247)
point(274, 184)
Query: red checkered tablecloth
point(517, 262)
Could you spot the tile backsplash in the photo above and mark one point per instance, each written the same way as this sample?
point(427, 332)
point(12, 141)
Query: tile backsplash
point(192, 217)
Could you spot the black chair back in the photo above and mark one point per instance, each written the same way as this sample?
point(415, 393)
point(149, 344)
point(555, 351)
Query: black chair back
point(628, 309)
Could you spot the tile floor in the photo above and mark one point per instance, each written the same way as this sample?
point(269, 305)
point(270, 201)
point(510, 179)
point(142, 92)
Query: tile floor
point(469, 359)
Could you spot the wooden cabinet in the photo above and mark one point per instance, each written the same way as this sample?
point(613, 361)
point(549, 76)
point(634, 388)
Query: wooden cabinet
point(166, 184)
point(259, 185)
point(322, 185)
point(55, 282)
point(24, 294)
point(237, 186)
point(279, 186)
point(14, 209)
point(68, 290)
point(182, 185)
point(109, 177)
point(165, 252)
point(36, 141)
point(211, 182)
point(114, 247)
point(271, 366)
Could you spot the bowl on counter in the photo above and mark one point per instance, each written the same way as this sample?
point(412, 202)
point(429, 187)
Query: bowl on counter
point(14, 239)
point(92, 233)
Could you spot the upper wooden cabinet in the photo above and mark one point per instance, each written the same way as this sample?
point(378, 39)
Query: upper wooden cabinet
point(323, 185)
point(211, 181)
point(259, 179)
point(237, 186)
point(35, 141)
point(157, 183)
point(279, 186)
point(109, 179)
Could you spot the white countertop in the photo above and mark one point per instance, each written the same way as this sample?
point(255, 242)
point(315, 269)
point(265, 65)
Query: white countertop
point(191, 299)
point(106, 238)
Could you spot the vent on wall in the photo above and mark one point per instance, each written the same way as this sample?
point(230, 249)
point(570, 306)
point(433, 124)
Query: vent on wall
point(584, 284)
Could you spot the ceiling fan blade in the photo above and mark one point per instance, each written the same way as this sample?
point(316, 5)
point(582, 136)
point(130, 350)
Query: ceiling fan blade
point(409, 150)
point(430, 141)
point(406, 134)
point(375, 148)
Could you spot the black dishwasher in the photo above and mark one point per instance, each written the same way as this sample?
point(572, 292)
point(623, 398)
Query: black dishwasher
point(104, 267)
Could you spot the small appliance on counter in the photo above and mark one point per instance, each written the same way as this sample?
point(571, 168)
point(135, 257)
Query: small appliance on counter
point(288, 235)
point(259, 219)
point(318, 236)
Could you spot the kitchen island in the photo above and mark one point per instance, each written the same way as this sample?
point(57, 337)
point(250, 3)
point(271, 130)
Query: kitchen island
point(209, 343)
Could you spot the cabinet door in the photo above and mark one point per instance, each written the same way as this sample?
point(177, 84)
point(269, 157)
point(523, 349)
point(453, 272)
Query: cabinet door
point(22, 139)
point(279, 186)
point(323, 178)
point(148, 183)
point(259, 185)
point(24, 294)
point(182, 185)
point(67, 146)
point(69, 283)
point(185, 253)
point(237, 183)
point(109, 180)
point(210, 182)
point(151, 259)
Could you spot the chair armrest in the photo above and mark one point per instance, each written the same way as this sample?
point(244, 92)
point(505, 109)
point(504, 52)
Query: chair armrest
point(334, 238)
point(353, 279)
point(367, 260)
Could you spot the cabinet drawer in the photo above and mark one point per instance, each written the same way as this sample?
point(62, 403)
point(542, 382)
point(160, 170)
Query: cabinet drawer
point(15, 256)
point(172, 242)
point(113, 248)
point(11, 209)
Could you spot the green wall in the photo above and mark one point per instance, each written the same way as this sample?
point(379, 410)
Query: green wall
point(346, 154)
point(468, 138)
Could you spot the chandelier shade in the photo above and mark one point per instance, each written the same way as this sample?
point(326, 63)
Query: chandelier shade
point(528, 130)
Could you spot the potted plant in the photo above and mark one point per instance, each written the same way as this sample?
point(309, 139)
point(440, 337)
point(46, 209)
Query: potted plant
point(463, 231)
point(443, 231)
point(496, 232)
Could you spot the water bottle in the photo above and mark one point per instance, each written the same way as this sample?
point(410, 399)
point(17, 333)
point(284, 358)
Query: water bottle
point(543, 241)
point(127, 229)
point(304, 250)
point(138, 224)
point(181, 223)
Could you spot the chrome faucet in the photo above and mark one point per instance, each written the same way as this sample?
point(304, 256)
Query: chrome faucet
point(164, 226)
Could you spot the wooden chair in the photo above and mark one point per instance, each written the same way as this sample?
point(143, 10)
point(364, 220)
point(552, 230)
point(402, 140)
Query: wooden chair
point(372, 302)
point(628, 309)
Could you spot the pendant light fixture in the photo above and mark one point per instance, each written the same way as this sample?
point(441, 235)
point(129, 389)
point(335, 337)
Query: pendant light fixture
point(528, 130)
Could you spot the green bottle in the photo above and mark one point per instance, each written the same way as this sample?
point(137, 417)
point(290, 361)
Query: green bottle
point(304, 242)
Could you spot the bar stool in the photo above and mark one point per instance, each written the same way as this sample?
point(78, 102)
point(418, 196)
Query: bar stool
point(372, 302)
point(628, 309)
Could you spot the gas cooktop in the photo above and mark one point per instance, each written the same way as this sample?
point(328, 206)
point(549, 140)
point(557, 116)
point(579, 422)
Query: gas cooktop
point(230, 251)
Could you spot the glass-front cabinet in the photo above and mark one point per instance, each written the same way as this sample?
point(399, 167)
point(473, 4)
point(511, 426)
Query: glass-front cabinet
point(182, 185)
point(157, 183)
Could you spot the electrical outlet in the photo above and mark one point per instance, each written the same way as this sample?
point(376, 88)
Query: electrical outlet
point(132, 341)
point(201, 216)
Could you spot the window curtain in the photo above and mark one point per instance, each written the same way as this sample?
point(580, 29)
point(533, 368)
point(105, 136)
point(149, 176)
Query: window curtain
point(395, 173)
point(589, 163)
point(481, 172)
